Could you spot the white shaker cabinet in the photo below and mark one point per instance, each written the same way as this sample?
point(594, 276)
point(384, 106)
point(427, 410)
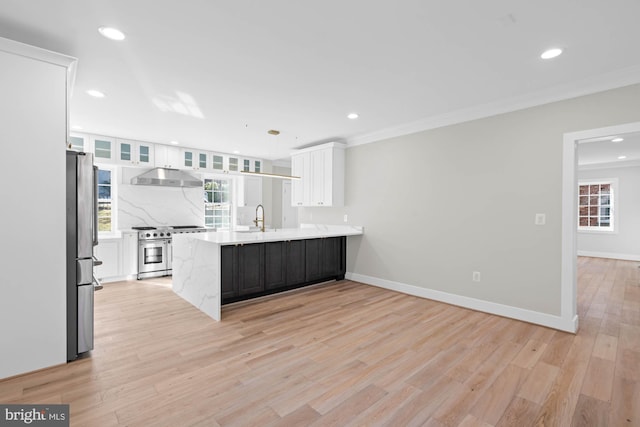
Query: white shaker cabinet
point(321, 169)
point(129, 254)
point(167, 156)
point(107, 251)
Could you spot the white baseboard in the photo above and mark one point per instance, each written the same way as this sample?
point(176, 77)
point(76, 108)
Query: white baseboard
point(535, 317)
point(612, 255)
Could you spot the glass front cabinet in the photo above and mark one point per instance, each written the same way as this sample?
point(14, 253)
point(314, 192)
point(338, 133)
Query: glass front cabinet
point(104, 149)
point(135, 153)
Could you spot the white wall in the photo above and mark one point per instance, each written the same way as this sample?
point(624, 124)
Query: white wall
point(140, 205)
point(624, 243)
point(440, 204)
point(33, 193)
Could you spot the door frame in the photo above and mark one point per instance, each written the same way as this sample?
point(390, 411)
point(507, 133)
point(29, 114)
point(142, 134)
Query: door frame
point(569, 294)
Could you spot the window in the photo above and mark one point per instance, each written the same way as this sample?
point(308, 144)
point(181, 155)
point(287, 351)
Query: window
point(105, 205)
point(217, 203)
point(596, 205)
point(246, 165)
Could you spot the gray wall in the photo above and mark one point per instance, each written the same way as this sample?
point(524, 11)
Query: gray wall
point(440, 204)
point(625, 242)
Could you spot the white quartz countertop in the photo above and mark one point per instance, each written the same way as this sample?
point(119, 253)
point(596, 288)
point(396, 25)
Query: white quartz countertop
point(306, 231)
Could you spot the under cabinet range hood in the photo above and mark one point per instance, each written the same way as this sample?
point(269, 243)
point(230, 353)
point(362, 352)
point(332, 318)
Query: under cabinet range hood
point(164, 177)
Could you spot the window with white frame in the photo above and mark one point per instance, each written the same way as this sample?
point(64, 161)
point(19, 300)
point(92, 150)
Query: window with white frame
point(596, 205)
point(105, 201)
point(217, 203)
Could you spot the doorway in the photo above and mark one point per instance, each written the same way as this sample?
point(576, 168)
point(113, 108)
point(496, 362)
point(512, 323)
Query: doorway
point(569, 297)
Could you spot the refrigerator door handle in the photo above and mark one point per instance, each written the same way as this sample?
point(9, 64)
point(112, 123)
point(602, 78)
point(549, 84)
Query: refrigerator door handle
point(95, 206)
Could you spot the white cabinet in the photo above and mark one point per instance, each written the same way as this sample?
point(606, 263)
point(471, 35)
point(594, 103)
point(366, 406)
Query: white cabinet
point(135, 153)
point(129, 253)
point(196, 160)
point(249, 191)
point(167, 156)
point(104, 149)
point(321, 169)
point(107, 251)
point(79, 142)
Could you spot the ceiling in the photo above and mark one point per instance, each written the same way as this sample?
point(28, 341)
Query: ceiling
point(608, 151)
point(218, 75)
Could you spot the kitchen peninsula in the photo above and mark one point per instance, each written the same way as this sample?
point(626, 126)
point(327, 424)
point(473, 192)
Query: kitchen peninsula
point(212, 269)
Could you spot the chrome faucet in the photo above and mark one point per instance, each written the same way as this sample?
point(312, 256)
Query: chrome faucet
point(258, 220)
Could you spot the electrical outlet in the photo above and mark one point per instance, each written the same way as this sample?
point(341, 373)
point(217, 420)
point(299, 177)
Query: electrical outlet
point(476, 276)
point(541, 219)
point(345, 218)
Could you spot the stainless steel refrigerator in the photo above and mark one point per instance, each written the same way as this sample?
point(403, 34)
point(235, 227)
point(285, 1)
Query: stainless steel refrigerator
point(82, 236)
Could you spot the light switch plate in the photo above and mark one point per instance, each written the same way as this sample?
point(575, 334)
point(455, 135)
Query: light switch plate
point(541, 219)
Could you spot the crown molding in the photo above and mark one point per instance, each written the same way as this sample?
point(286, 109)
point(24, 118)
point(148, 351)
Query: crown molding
point(610, 165)
point(612, 80)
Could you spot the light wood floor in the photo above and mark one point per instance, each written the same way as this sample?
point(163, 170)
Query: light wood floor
point(347, 354)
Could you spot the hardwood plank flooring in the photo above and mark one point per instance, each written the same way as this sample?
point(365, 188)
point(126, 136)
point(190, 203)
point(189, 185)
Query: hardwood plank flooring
point(348, 354)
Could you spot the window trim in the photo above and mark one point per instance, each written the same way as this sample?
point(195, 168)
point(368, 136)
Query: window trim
point(232, 204)
point(613, 228)
point(114, 199)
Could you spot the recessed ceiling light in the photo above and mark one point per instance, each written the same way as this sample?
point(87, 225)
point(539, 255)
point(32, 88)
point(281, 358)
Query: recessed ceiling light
point(111, 33)
point(76, 127)
point(236, 152)
point(95, 93)
point(617, 140)
point(551, 53)
point(352, 116)
point(622, 157)
point(174, 142)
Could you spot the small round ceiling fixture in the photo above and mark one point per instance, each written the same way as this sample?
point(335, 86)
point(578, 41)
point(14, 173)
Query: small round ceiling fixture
point(76, 127)
point(352, 116)
point(273, 132)
point(95, 93)
point(551, 53)
point(174, 142)
point(236, 152)
point(617, 140)
point(112, 33)
point(622, 157)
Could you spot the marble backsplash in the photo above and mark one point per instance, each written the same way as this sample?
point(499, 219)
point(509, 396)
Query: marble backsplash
point(140, 205)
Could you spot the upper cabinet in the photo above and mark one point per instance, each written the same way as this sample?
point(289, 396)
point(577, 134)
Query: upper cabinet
point(147, 155)
point(196, 160)
point(167, 156)
point(135, 153)
point(80, 142)
point(321, 169)
point(104, 149)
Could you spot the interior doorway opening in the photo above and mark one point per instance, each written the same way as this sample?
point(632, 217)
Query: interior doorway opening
point(569, 297)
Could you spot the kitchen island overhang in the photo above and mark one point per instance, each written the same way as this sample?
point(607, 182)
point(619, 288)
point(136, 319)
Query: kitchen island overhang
point(211, 269)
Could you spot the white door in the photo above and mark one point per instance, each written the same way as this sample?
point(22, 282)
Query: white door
point(289, 213)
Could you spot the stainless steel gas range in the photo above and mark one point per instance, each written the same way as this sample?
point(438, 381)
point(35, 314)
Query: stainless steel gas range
point(154, 248)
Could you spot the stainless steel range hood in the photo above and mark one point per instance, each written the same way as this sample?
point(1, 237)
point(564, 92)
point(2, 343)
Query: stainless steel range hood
point(165, 177)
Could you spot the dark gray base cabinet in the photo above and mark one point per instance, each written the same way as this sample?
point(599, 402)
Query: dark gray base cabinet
point(257, 269)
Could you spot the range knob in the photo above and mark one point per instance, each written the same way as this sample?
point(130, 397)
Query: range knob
point(155, 234)
point(168, 234)
point(148, 235)
point(161, 234)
